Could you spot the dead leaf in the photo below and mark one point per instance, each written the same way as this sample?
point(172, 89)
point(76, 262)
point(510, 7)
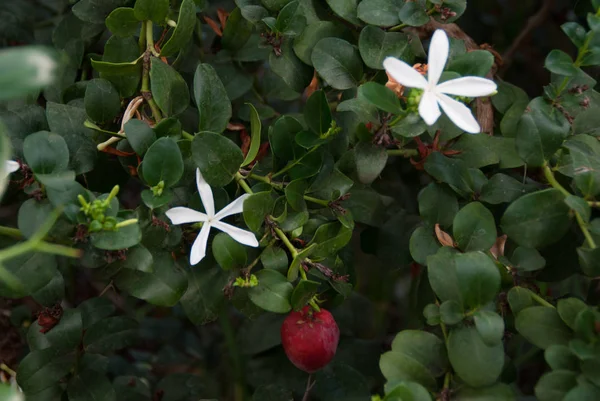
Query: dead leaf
point(443, 237)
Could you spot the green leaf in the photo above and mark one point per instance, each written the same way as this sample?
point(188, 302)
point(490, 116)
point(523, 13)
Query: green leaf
point(559, 62)
point(310, 36)
point(474, 228)
point(89, 385)
point(437, 205)
point(477, 150)
point(540, 132)
point(65, 335)
point(67, 121)
point(380, 96)
point(519, 298)
point(585, 154)
point(163, 285)
point(183, 31)
point(416, 356)
point(102, 102)
point(502, 188)
point(475, 362)
point(124, 237)
point(380, 12)
point(413, 14)
point(451, 312)
point(20, 65)
point(291, 20)
point(589, 260)
point(122, 22)
point(237, 31)
point(95, 309)
point(271, 392)
point(303, 293)
point(211, 98)
point(109, 69)
point(317, 113)
point(294, 194)
point(474, 63)
point(110, 334)
point(345, 9)
point(96, 11)
point(32, 215)
point(154, 10)
point(453, 172)
point(542, 326)
point(553, 386)
point(370, 161)
point(338, 63)
point(291, 69)
point(228, 253)
point(432, 314)
point(275, 258)
point(255, 129)
point(272, 293)
point(123, 50)
point(168, 88)
point(527, 259)
point(295, 266)
point(490, 326)
point(471, 279)
point(43, 368)
point(340, 382)
point(537, 219)
point(46, 153)
point(140, 136)
point(217, 157)
point(407, 390)
point(163, 162)
point(252, 10)
point(204, 297)
point(496, 392)
point(568, 309)
point(423, 244)
point(32, 271)
point(256, 207)
point(375, 45)
point(561, 357)
point(330, 238)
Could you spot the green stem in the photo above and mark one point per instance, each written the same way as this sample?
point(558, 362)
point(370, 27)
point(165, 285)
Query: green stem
point(403, 152)
point(150, 39)
point(582, 224)
point(59, 250)
point(242, 183)
point(187, 135)
point(397, 28)
point(11, 232)
point(287, 242)
point(89, 124)
point(145, 90)
point(594, 204)
point(235, 355)
point(321, 202)
point(541, 300)
point(142, 39)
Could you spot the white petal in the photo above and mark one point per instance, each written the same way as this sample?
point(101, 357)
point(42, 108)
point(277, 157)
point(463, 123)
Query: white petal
point(459, 114)
point(429, 109)
point(205, 194)
point(199, 247)
point(11, 166)
point(468, 86)
point(404, 74)
point(438, 56)
point(182, 215)
point(241, 236)
point(235, 207)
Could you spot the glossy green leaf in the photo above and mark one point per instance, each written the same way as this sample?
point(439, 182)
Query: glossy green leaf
point(338, 63)
point(375, 45)
point(183, 31)
point(140, 136)
point(217, 157)
point(228, 253)
point(542, 326)
point(211, 98)
point(303, 293)
point(474, 228)
point(163, 162)
point(153, 10)
point(122, 22)
point(102, 102)
point(168, 88)
point(43, 368)
point(383, 13)
point(255, 131)
point(272, 293)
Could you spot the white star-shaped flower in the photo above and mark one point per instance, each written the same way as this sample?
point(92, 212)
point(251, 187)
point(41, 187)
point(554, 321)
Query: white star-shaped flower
point(11, 166)
point(435, 95)
point(182, 215)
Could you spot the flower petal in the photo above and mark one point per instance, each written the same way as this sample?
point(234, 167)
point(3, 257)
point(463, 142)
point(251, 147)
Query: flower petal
point(404, 74)
point(198, 251)
point(468, 86)
point(429, 109)
point(182, 215)
point(241, 236)
point(438, 56)
point(235, 207)
point(205, 194)
point(11, 166)
point(459, 114)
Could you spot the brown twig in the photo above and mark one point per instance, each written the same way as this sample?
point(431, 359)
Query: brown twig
point(533, 22)
point(309, 386)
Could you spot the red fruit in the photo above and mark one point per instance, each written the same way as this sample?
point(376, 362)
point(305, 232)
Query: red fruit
point(310, 338)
